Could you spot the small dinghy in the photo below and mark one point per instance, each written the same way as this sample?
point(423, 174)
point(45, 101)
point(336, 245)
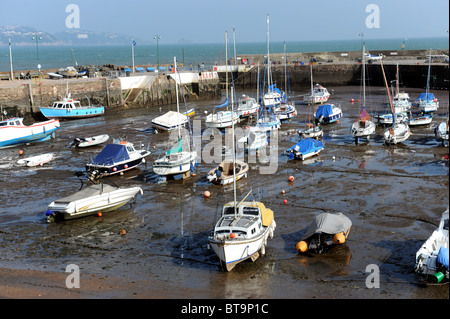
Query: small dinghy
point(432, 257)
point(324, 232)
point(37, 160)
point(89, 200)
point(79, 142)
point(223, 174)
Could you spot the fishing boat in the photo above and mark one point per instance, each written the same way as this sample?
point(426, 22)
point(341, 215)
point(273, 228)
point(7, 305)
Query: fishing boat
point(227, 171)
point(176, 161)
point(117, 157)
point(427, 102)
point(247, 106)
point(70, 108)
point(305, 148)
point(327, 114)
point(170, 121)
point(37, 160)
point(416, 119)
point(363, 126)
point(81, 142)
point(14, 132)
point(441, 133)
point(90, 200)
point(399, 131)
point(325, 231)
point(432, 257)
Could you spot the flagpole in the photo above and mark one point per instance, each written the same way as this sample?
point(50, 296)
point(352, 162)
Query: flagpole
point(10, 60)
point(132, 52)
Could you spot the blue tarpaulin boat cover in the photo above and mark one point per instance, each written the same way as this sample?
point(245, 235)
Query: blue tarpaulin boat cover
point(324, 110)
point(426, 97)
point(442, 257)
point(223, 104)
point(307, 145)
point(112, 153)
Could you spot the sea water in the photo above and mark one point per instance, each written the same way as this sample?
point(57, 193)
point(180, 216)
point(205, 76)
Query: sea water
point(191, 55)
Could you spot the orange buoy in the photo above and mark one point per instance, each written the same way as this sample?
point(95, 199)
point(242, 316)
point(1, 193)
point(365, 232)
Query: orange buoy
point(232, 235)
point(301, 246)
point(339, 238)
point(285, 201)
point(352, 100)
point(357, 100)
point(20, 152)
point(206, 194)
point(123, 232)
point(99, 214)
point(291, 178)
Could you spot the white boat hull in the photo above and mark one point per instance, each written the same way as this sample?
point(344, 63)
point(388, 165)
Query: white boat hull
point(397, 134)
point(166, 166)
point(89, 141)
point(363, 130)
point(37, 160)
point(222, 119)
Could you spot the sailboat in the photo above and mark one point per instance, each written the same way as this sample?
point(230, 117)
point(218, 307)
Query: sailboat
point(427, 102)
point(268, 120)
point(363, 127)
point(176, 161)
point(223, 119)
point(243, 228)
point(318, 94)
point(399, 131)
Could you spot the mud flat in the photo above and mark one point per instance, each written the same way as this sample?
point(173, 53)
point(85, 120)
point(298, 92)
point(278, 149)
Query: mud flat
point(393, 195)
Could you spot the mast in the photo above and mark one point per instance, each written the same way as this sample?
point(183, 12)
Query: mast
point(226, 63)
point(285, 68)
point(428, 76)
point(234, 152)
point(364, 75)
point(389, 95)
point(178, 103)
point(269, 75)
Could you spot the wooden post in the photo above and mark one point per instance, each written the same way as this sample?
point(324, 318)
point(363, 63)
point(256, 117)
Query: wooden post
point(107, 92)
point(30, 95)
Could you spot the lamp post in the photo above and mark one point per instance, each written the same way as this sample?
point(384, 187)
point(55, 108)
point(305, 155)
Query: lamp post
point(157, 38)
point(37, 38)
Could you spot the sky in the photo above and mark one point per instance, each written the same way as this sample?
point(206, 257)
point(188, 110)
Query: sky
point(205, 21)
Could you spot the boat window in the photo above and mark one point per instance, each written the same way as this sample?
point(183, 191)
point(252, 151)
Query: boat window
point(130, 149)
point(251, 211)
point(226, 231)
point(3, 123)
point(11, 123)
point(253, 230)
point(446, 224)
point(17, 122)
point(229, 210)
point(60, 105)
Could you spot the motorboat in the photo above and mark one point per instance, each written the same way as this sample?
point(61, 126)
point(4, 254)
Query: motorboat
point(241, 232)
point(117, 157)
point(312, 131)
point(70, 108)
point(221, 119)
point(305, 148)
point(90, 200)
point(227, 171)
point(81, 142)
point(388, 118)
point(441, 133)
point(68, 72)
point(432, 257)
point(14, 132)
point(363, 127)
point(325, 231)
point(247, 106)
point(37, 160)
point(285, 111)
point(170, 121)
point(402, 102)
point(177, 160)
point(254, 139)
point(415, 119)
point(318, 94)
point(328, 113)
point(268, 122)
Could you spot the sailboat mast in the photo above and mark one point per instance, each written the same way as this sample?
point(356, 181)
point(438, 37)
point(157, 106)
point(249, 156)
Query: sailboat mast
point(226, 63)
point(269, 75)
point(234, 152)
point(178, 103)
point(285, 68)
point(428, 76)
point(364, 74)
point(389, 95)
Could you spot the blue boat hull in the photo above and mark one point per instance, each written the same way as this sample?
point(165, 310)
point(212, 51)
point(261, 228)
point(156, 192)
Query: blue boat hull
point(54, 113)
point(29, 139)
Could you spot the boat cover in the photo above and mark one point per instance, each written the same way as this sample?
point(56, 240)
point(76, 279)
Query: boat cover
point(171, 119)
point(442, 257)
point(306, 145)
point(425, 97)
point(324, 110)
point(176, 149)
point(111, 154)
point(223, 104)
point(328, 223)
point(92, 190)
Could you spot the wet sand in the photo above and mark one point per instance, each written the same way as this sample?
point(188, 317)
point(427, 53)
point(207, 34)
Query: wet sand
point(394, 196)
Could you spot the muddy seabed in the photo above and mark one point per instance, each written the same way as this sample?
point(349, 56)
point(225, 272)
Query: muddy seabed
point(394, 196)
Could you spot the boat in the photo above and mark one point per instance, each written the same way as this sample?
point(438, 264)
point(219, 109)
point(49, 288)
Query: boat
point(286, 109)
point(254, 139)
point(37, 160)
point(327, 114)
point(388, 118)
point(224, 173)
point(90, 200)
point(399, 131)
point(427, 102)
point(190, 112)
point(68, 72)
point(401, 100)
point(247, 106)
point(176, 161)
point(441, 133)
point(363, 126)
point(416, 119)
point(312, 131)
point(70, 108)
point(305, 148)
point(325, 231)
point(319, 94)
point(117, 157)
point(170, 121)
point(432, 257)
point(14, 132)
point(80, 142)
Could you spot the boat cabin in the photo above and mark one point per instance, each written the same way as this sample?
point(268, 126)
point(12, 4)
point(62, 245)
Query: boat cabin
point(246, 224)
point(67, 104)
point(12, 122)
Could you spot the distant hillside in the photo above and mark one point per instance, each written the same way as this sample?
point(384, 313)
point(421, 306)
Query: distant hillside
point(22, 36)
